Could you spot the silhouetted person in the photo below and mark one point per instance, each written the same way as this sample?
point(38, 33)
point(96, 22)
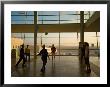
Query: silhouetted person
point(53, 50)
point(27, 53)
point(13, 53)
point(18, 51)
point(87, 57)
point(44, 55)
point(82, 51)
point(21, 56)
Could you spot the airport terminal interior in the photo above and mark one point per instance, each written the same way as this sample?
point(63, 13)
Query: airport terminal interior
point(66, 30)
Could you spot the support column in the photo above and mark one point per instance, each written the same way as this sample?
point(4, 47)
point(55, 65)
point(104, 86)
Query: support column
point(59, 43)
point(81, 35)
point(59, 34)
point(35, 33)
point(82, 26)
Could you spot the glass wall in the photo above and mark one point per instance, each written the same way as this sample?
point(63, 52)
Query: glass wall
point(22, 17)
point(93, 38)
point(23, 38)
point(48, 39)
point(69, 43)
point(66, 43)
point(48, 17)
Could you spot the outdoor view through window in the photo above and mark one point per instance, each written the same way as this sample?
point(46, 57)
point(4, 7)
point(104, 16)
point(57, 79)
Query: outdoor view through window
point(63, 29)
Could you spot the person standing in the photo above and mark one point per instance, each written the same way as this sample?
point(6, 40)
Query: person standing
point(18, 52)
point(87, 57)
point(21, 56)
point(44, 55)
point(27, 53)
point(53, 50)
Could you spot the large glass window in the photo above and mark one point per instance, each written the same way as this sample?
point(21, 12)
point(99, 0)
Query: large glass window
point(48, 17)
point(22, 17)
point(93, 38)
point(23, 38)
point(69, 43)
point(48, 39)
point(66, 42)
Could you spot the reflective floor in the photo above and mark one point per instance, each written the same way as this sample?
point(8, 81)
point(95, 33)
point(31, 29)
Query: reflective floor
point(62, 66)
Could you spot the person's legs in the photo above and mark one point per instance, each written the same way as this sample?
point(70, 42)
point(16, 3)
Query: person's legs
point(43, 67)
point(18, 61)
point(88, 66)
point(44, 64)
point(81, 53)
point(52, 56)
point(23, 61)
point(29, 56)
point(86, 63)
point(26, 56)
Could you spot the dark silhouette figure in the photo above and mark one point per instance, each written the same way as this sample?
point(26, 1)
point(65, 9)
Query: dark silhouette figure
point(81, 51)
point(27, 53)
point(53, 50)
point(21, 56)
point(87, 57)
point(44, 55)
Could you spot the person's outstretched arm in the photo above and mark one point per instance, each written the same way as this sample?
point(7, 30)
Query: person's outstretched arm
point(40, 52)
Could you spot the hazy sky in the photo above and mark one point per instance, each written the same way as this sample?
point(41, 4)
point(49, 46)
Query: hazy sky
point(66, 39)
point(48, 17)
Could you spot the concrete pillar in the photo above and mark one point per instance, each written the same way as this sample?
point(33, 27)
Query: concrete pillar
point(81, 34)
point(59, 34)
point(81, 26)
point(35, 33)
point(59, 43)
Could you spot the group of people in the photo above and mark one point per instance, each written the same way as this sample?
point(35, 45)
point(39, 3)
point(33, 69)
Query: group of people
point(23, 54)
point(84, 50)
point(44, 54)
point(26, 53)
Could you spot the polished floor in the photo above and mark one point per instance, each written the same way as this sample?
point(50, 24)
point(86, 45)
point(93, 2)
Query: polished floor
point(62, 66)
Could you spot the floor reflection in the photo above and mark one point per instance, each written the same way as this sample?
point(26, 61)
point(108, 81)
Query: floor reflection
point(63, 66)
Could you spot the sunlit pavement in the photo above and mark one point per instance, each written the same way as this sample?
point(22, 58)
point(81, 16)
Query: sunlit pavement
point(62, 66)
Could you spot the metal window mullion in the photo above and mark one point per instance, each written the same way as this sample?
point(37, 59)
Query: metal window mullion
point(59, 34)
point(35, 32)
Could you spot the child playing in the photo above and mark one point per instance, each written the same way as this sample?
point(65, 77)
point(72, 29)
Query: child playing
point(44, 55)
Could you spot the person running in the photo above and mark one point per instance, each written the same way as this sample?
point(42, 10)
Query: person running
point(27, 52)
point(53, 50)
point(21, 56)
point(44, 55)
point(87, 57)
